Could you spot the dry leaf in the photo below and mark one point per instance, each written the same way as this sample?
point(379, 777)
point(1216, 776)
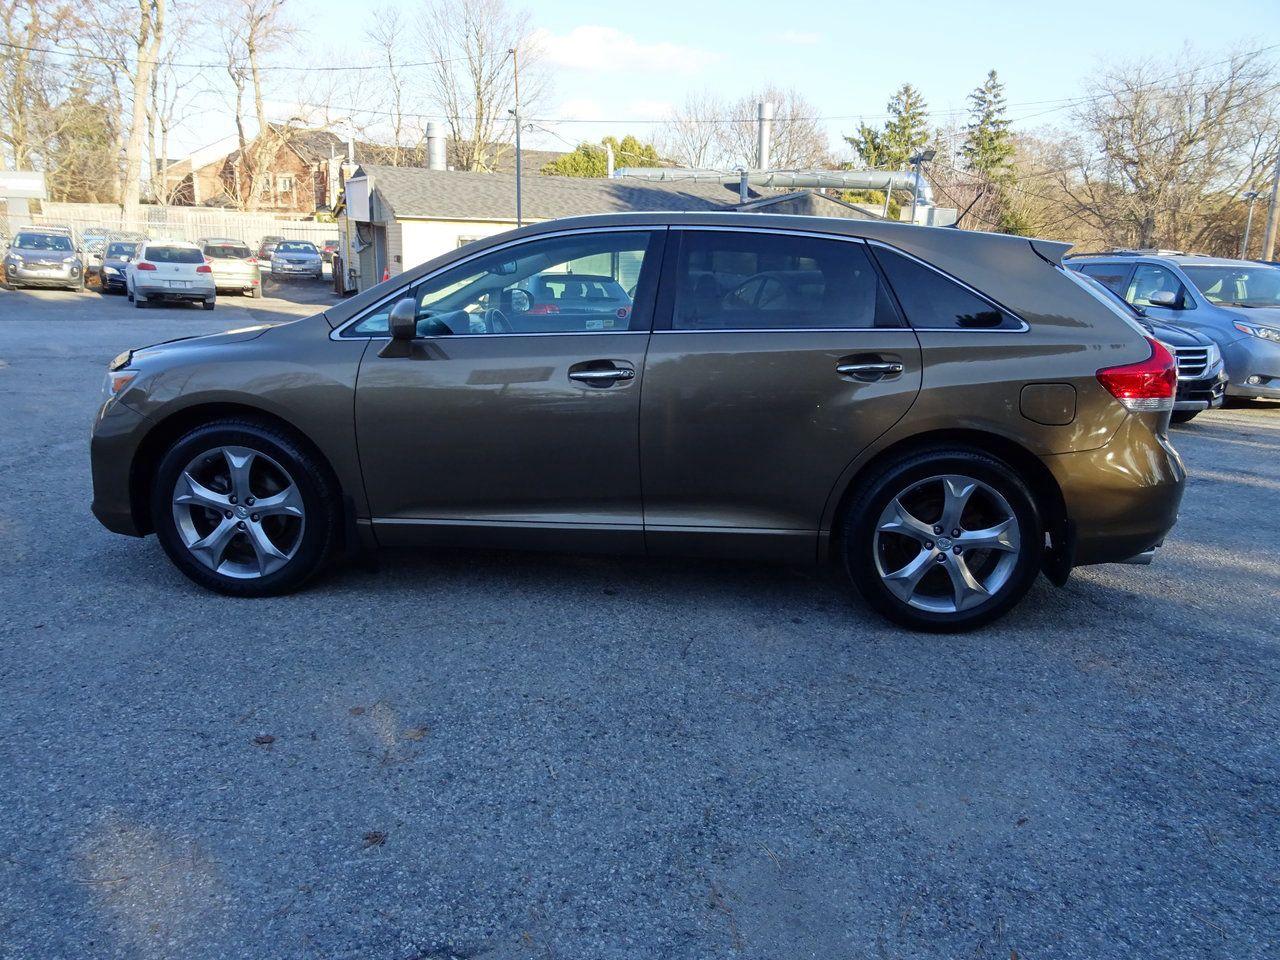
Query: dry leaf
point(264, 739)
point(375, 838)
point(416, 733)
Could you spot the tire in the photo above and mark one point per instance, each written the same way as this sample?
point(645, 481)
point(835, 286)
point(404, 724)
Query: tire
point(256, 292)
point(1184, 416)
point(876, 545)
point(139, 302)
point(209, 304)
point(305, 543)
point(128, 294)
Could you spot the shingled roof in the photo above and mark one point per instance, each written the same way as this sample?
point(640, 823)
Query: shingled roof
point(416, 193)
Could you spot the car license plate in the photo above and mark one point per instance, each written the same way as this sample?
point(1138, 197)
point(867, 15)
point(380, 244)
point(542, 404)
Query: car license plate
point(179, 283)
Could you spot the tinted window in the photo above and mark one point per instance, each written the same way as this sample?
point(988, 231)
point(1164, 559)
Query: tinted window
point(227, 251)
point(1149, 280)
point(1113, 276)
point(588, 283)
point(122, 249)
point(935, 302)
point(174, 255)
point(42, 241)
point(738, 280)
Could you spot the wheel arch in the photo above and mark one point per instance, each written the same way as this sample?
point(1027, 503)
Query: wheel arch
point(167, 430)
point(1044, 487)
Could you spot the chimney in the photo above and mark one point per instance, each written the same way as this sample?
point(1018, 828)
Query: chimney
point(764, 130)
point(608, 160)
point(435, 146)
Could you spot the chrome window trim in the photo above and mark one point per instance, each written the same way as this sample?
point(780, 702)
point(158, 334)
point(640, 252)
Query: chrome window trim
point(336, 332)
point(960, 283)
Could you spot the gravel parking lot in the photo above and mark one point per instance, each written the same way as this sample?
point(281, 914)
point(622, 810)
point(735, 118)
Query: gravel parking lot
point(508, 756)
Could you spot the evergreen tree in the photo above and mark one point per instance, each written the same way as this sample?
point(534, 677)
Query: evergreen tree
point(906, 132)
point(988, 144)
point(591, 160)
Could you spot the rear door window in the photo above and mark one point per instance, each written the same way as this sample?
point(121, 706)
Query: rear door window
point(746, 280)
point(933, 301)
point(1113, 276)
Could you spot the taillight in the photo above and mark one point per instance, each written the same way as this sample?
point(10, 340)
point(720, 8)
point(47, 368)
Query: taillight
point(1147, 386)
point(543, 308)
point(253, 261)
point(143, 265)
point(204, 268)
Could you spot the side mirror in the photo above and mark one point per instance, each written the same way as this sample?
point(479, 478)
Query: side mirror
point(403, 321)
point(1165, 298)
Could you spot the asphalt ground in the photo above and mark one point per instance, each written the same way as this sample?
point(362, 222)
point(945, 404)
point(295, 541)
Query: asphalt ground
point(465, 755)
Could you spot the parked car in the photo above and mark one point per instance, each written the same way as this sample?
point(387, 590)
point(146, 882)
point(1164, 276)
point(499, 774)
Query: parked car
point(329, 248)
point(93, 240)
point(43, 257)
point(266, 247)
point(296, 258)
point(946, 413)
point(115, 263)
point(547, 294)
point(1202, 380)
point(235, 268)
point(170, 270)
point(1236, 303)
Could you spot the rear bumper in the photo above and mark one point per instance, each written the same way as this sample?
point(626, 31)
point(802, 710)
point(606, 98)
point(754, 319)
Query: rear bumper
point(1122, 499)
point(157, 291)
point(116, 435)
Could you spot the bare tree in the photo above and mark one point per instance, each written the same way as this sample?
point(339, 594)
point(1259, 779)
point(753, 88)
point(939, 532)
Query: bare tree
point(798, 141)
point(689, 138)
point(1159, 159)
point(472, 82)
point(30, 81)
point(406, 133)
point(252, 30)
point(147, 36)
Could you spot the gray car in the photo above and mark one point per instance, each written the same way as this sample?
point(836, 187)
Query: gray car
point(1236, 303)
point(44, 258)
point(296, 258)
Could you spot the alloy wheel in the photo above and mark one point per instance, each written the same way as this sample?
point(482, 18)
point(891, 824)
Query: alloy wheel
point(947, 543)
point(238, 512)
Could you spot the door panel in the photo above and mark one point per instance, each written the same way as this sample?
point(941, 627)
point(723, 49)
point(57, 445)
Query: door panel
point(776, 358)
point(482, 431)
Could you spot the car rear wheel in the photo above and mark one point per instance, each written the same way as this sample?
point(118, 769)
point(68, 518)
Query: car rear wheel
point(138, 301)
point(945, 540)
point(244, 509)
point(209, 304)
point(1184, 416)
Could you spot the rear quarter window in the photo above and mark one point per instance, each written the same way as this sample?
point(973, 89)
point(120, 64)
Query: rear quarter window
point(933, 301)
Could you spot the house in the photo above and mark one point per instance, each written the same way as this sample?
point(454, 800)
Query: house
point(304, 174)
point(393, 218)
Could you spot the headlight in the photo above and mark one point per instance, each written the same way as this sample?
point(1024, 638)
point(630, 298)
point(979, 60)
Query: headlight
point(115, 383)
point(1214, 355)
point(69, 259)
point(110, 270)
point(1254, 330)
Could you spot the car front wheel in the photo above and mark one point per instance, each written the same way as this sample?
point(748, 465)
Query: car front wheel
point(244, 509)
point(944, 540)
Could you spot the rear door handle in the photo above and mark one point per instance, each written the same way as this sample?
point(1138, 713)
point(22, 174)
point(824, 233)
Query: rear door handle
point(869, 370)
point(601, 373)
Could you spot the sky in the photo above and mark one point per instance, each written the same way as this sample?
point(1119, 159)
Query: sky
point(625, 64)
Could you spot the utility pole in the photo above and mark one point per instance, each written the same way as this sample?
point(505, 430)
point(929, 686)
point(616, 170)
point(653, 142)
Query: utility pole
point(1250, 195)
point(515, 67)
point(1273, 216)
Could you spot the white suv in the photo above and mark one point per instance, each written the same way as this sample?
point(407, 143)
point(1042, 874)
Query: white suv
point(170, 270)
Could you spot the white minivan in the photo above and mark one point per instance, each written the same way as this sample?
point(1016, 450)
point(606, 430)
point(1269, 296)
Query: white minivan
point(170, 270)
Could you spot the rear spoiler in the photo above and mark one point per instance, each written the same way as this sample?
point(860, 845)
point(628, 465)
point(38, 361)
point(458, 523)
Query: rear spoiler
point(1050, 251)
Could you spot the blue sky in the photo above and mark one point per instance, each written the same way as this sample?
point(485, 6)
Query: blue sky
point(630, 62)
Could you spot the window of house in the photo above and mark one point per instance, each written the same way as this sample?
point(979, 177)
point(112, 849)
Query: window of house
point(284, 183)
point(741, 280)
point(933, 301)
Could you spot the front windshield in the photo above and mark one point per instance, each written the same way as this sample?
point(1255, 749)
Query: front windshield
point(122, 249)
point(42, 241)
point(295, 247)
point(1237, 285)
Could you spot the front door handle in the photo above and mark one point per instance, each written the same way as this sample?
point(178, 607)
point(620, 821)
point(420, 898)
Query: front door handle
point(877, 370)
point(601, 373)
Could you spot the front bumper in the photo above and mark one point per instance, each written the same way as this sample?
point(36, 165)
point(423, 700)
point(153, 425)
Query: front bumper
point(1253, 364)
point(314, 271)
point(1204, 394)
point(1122, 498)
point(60, 275)
point(117, 432)
point(111, 277)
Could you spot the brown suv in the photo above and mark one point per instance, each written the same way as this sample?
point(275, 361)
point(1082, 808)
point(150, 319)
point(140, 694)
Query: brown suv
point(945, 413)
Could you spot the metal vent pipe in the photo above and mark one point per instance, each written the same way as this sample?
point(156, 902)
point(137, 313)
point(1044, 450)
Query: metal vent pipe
point(792, 179)
point(435, 146)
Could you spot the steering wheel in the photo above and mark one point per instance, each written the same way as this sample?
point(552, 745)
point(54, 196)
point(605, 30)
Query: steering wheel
point(495, 321)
